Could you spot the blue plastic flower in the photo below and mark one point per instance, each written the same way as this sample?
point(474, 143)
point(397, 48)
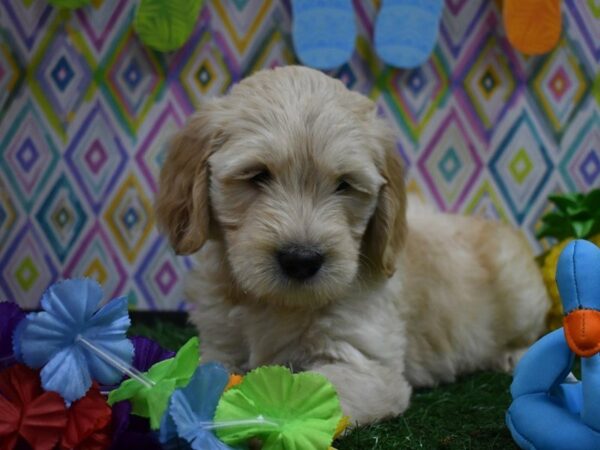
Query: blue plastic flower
point(192, 408)
point(55, 339)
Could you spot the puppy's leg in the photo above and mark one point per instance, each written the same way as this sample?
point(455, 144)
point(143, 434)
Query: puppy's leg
point(225, 348)
point(368, 391)
point(221, 337)
point(522, 301)
point(520, 298)
point(217, 319)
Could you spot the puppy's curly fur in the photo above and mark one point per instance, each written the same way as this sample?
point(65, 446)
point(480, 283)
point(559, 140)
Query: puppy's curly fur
point(402, 299)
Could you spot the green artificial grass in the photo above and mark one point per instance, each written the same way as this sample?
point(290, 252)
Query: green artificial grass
point(468, 414)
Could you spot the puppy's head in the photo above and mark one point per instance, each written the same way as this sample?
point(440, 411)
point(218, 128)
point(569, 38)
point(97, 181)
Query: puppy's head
point(299, 179)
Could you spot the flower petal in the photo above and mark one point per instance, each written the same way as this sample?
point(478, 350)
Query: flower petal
point(101, 371)
point(147, 353)
point(161, 369)
point(87, 417)
point(156, 402)
point(20, 385)
point(44, 421)
point(10, 316)
point(124, 422)
point(67, 373)
point(111, 320)
point(10, 416)
point(74, 300)
point(186, 421)
point(41, 335)
point(168, 429)
point(197, 402)
point(206, 440)
point(210, 383)
point(98, 440)
point(16, 340)
point(120, 417)
point(304, 409)
point(128, 390)
point(107, 330)
point(40, 416)
point(136, 439)
point(186, 362)
point(10, 442)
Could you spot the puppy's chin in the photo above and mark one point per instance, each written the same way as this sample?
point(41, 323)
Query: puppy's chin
point(268, 286)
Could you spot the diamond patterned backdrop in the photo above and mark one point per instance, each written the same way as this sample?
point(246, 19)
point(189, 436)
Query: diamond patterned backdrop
point(86, 111)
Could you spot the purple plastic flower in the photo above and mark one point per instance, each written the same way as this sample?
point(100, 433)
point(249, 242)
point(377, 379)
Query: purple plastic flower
point(147, 353)
point(131, 431)
point(10, 316)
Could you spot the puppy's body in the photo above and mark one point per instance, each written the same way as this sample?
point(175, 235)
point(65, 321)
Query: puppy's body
point(291, 158)
point(466, 296)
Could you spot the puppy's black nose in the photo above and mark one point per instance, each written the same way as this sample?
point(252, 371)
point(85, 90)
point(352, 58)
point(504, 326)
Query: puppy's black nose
point(299, 263)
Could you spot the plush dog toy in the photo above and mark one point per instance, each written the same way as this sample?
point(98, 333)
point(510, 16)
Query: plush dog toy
point(551, 409)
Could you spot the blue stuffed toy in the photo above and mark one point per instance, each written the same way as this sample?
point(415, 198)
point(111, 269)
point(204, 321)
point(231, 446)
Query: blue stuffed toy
point(551, 409)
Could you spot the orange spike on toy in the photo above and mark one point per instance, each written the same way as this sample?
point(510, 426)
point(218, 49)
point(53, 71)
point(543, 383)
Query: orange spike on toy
point(533, 26)
point(234, 380)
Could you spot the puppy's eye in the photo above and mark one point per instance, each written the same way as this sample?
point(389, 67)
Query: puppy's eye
point(343, 186)
point(261, 178)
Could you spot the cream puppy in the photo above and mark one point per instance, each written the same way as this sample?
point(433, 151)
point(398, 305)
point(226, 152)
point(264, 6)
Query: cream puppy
point(291, 192)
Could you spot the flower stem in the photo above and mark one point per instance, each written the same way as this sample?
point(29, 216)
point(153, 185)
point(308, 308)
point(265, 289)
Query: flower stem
point(115, 362)
point(259, 420)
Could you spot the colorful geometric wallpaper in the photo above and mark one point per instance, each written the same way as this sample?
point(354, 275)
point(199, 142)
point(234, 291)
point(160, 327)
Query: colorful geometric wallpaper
point(86, 109)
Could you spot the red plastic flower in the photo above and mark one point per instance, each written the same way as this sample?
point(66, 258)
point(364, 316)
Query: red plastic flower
point(27, 412)
point(89, 422)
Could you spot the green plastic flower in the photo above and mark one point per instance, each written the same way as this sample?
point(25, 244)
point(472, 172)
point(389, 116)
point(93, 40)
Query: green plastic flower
point(150, 399)
point(284, 410)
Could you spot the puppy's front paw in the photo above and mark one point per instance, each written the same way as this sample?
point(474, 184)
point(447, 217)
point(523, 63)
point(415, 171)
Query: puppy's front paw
point(368, 393)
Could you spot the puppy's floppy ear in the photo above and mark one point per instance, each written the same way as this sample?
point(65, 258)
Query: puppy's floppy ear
point(182, 205)
point(386, 231)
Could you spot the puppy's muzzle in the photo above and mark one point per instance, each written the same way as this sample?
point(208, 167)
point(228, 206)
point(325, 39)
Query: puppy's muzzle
point(299, 263)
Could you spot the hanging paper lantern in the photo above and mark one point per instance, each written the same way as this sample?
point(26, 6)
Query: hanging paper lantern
point(166, 25)
point(69, 4)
